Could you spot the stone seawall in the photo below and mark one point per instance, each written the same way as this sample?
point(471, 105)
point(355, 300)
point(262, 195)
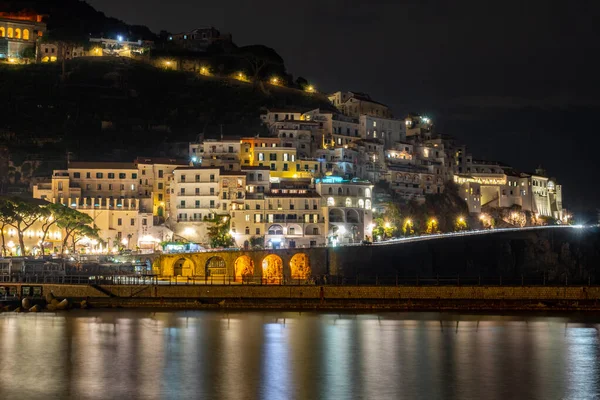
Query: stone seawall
point(359, 292)
point(355, 293)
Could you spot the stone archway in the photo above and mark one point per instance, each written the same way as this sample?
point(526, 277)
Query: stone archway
point(215, 267)
point(244, 269)
point(183, 267)
point(300, 267)
point(272, 269)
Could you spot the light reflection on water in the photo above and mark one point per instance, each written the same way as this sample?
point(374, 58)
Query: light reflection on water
point(278, 355)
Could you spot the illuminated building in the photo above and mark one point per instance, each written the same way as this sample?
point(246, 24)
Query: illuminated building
point(347, 207)
point(18, 32)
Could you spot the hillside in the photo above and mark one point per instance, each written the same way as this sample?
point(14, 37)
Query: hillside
point(78, 17)
point(141, 107)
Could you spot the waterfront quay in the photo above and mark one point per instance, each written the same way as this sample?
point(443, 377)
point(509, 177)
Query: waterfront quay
point(313, 297)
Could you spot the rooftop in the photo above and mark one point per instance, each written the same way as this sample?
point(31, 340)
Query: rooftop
point(100, 165)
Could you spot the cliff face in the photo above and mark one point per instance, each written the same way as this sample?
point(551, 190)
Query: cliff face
point(553, 255)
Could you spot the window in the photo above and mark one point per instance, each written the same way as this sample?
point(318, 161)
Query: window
point(273, 157)
point(182, 191)
point(230, 149)
point(292, 231)
point(110, 186)
point(367, 192)
point(258, 231)
point(257, 206)
point(76, 175)
point(247, 230)
point(182, 179)
point(361, 203)
point(111, 175)
point(132, 187)
point(340, 191)
point(330, 191)
point(134, 176)
point(261, 156)
point(182, 203)
point(348, 202)
point(119, 222)
point(144, 221)
point(212, 204)
point(315, 231)
point(160, 173)
point(212, 191)
point(122, 175)
point(160, 197)
point(99, 187)
point(99, 175)
point(247, 217)
point(197, 203)
point(212, 178)
point(160, 185)
point(330, 202)
point(132, 222)
point(197, 191)
point(260, 177)
point(286, 157)
point(273, 167)
point(368, 204)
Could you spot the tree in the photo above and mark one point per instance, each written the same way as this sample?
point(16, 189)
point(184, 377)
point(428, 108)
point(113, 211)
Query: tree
point(432, 226)
point(83, 231)
point(51, 214)
point(25, 215)
point(387, 223)
point(408, 228)
point(301, 83)
point(460, 224)
point(6, 218)
point(219, 234)
point(259, 59)
point(72, 221)
point(66, 39)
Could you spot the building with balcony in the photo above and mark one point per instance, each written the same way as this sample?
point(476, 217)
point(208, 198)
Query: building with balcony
point(347, 208)
point(268, 152)
point(155, 176)
point(196, 200)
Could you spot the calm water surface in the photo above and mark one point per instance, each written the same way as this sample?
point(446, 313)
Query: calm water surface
point(285, 355)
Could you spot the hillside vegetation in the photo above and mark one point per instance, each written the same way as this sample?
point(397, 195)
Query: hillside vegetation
point(142, 106)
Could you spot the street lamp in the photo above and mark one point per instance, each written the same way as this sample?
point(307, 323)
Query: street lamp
point(310, 89)
point(274, 80)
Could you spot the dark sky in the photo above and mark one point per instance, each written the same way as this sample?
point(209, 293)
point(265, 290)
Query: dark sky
point(516, 81)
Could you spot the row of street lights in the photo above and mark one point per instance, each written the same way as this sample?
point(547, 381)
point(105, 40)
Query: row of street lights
point(241, 76)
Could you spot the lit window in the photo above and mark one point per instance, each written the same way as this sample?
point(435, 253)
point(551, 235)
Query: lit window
point(361, 203)
point(348, 202)
point(330, 201)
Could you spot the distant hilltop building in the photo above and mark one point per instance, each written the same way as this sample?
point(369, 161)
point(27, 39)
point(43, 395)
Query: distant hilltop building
point(18, 32)
point(199, 39)
point(354, 104)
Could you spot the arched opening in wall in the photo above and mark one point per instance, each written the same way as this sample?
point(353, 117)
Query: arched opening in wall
point(336, 215)
point(160, 211)
point(216, 267)
point(300, 267)
point(2, 31)
point(352, 216)
point(17, 33)
point(183, 267)
point(244, 269)
point(272, 269)
point(9, 32)
point(25, 34)
point(275, 230)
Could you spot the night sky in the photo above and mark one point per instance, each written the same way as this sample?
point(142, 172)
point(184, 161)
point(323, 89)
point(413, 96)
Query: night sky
point(516, 81)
